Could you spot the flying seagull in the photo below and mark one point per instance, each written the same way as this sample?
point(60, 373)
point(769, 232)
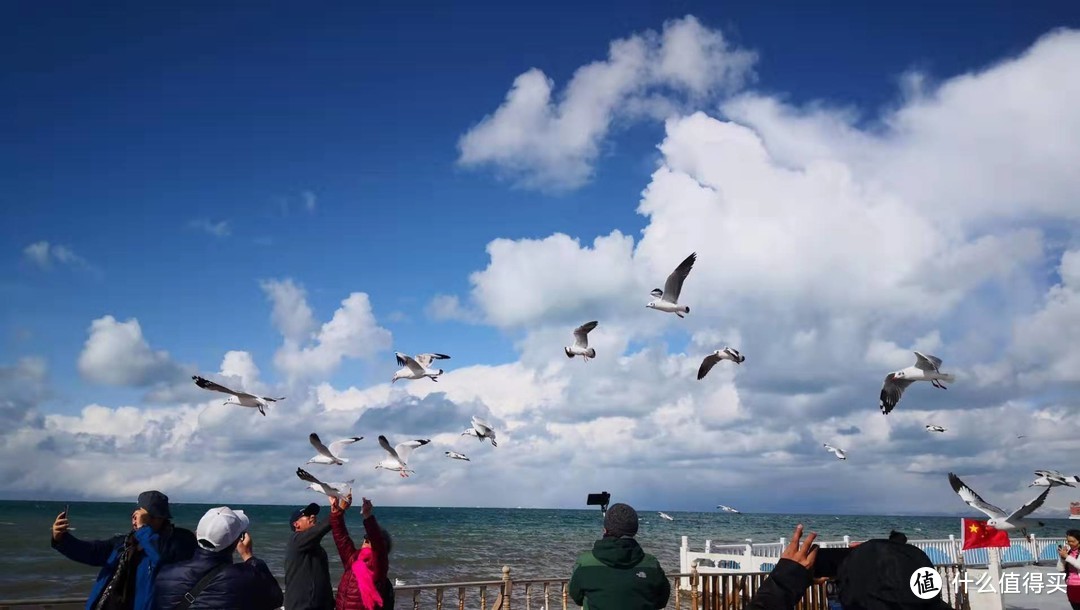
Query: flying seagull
point(666, 516)
point(581, 342)
point(456, 456)
point(330, 490)
point(998, 518)
point(667, 300)
point(932, 428)
point(481, 430)
point(840, 455)
point(243, 399)
point(331, 455)
point(728, 353)
point(399, 455)
point(924, 369)
point(1053, 478)
point(726, 509)
point(417, 368)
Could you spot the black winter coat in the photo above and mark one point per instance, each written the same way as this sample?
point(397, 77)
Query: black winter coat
point(240, 586)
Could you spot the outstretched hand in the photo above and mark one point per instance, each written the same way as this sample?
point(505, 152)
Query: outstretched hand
point(60, 525)
point(365, 508)
point(805, 552)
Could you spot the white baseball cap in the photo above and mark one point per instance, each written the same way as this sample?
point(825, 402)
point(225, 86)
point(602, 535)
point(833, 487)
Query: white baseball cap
point(220, 527)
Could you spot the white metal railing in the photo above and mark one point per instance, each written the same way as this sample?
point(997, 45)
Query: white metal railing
point(762, 557)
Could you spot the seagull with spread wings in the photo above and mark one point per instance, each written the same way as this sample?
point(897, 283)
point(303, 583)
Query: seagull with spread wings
point(999, 519)
point(581, 342)
point(481, 430)
point(242, 399)
point(418, 367)
point(454, 455)
point(1053, 478)
point(667, 300)
point(331, 454)
point(926, 368)
point(728, 353)
point(398, 459)
point(933, 428)
point(330, 490)
point(839, 453)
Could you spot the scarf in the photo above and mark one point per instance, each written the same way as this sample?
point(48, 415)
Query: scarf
point(365, 580)
point(1072, 574)
point(119, 593)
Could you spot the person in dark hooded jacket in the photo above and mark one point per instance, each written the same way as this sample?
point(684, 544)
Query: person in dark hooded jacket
point(248, 585)
point(617, 574)
point(129, 562)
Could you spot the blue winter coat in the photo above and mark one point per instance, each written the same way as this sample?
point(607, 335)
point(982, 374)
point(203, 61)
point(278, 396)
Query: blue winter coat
point(248, 585)
point(171, 544)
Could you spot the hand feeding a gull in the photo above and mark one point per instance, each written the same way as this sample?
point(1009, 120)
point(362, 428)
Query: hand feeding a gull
point(998, 518)
point(924, 369)
point(840, 454)
point(581, 342)
point(481, 430)
point(667, 300)
point(330, 490)
point(417, 368)
point(331, 454)
point(1053, 478)
point(243, 399)
point(933, 428)
point(728, 353)
point(399, 455)
point(454, 455)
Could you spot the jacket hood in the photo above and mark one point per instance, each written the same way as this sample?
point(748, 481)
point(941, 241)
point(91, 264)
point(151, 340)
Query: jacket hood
point(618, 552)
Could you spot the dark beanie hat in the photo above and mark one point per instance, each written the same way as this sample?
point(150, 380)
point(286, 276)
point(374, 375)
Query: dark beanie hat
point(621, 520)
point(155, 503)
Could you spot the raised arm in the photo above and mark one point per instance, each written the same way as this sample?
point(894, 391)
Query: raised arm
point(91, 552)
point(378, 544)
point(344, 543)
point(788, 581)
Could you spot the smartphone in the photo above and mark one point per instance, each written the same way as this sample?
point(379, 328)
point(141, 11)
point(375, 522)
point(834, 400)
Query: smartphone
point(827, 563)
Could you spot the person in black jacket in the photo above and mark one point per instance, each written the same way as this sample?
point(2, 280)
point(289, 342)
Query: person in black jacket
point(788, 581)
point(226, 585)
point(129, 562)
point(307, 568)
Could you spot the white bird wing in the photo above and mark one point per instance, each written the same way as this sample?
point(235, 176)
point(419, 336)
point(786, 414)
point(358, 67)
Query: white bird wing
point(320, 448)
point(707, 364)
point(1052, 474)
point(891, 391)
point(326, 488)
point(407, 360)
point(581, 334)
point(927, 363)
point(403, 450)
point(973, 500)
point(385, 444)
point(338, 445)
point(1030, 507)
point(481, 426)
point(674, 282)
point(425, 360)
point(206, 384)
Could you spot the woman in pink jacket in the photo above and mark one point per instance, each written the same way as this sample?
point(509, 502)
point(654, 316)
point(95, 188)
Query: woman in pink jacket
point(1070, 564)
point(364, 585)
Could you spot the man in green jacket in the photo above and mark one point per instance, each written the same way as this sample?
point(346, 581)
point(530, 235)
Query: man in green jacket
point(617, 574)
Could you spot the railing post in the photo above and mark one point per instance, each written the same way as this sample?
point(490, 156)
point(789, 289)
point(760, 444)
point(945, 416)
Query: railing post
point(708, 546)
point(694, 587)
point(847, 541)
point(507, 588)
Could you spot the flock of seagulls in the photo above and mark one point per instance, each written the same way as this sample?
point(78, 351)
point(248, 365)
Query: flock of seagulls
point(926, 368)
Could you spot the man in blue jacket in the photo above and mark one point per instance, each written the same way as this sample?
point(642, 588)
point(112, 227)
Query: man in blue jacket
point(129, 562)
point(210, 580)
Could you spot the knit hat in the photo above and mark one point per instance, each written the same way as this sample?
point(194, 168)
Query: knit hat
point(155, 503)
point(621, 520)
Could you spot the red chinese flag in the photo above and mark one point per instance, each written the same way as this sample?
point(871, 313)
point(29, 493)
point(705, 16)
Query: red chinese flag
point(979, 535)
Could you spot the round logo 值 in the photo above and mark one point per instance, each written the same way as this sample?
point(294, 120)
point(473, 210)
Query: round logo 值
point(925, 583)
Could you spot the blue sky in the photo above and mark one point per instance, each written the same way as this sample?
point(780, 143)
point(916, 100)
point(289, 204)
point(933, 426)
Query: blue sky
point(180, 156)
